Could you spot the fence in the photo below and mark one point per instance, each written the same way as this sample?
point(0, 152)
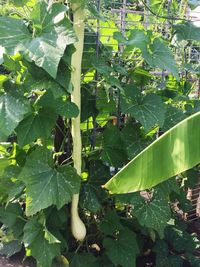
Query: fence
point(112, 16)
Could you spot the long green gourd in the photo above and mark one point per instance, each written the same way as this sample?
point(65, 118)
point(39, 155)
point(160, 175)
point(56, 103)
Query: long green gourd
point(77, 226)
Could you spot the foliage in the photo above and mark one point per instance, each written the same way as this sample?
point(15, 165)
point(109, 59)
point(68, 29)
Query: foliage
point(125, 107)
point(143, 171)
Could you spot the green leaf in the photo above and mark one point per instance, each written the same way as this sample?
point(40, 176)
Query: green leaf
point(62, 107)
point(13, 34)
point(153, 214)
point(149, 110)
point(161, 56)
point(110, 223)
point(137, 38)
point(192, 178)
point(123, 250)
point(4, 162)
point(187, 31)
point(163, 257)
point(68, 109)
point(11, 63)
point(113, 150)
point(174, 152)
point(52, 33)
point(88, 104)
point(10, 248)
point(34, 239)
point(50, 238)
point(180, 240)
point(9, 185)
point(12, 111)
point(10, 214)
point(133, 139)
point(93, 10)
point(12, 217)
point(45, 185)
point(172, 117)
point(37, 79)
point(89, 198)
point(92, 194)
point(84, 260)
point(36, 125)
point(167, 187)
point(193, 260)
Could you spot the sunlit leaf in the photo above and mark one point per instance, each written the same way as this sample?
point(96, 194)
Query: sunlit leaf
point(174, 152)
point(52, 33)
point(12, 111)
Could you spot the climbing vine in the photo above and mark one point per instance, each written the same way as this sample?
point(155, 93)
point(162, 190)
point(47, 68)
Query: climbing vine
point(122, 107)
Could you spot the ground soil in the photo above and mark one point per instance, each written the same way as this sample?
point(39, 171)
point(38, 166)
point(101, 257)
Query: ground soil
point(15, 262)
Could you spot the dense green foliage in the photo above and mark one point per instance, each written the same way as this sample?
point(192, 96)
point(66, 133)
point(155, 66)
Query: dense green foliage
point(125, 106)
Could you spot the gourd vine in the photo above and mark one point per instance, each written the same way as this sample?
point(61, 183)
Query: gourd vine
point(77, 226)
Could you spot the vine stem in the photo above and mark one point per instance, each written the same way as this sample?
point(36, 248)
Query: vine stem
point(77, 226)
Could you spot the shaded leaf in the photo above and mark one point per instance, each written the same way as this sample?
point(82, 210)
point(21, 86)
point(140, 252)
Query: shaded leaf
point(163, 257)
point(172, 117)
point(89, 198)
point(36, 125)
point(34, 239)
point(113, 147)
point(193, 260)
point(154, 213)
point(123, 250)
point(110, 223)
point(59, 105)
point(84, 260)
point(10, 214)
point(133, 140)
point(180, 240)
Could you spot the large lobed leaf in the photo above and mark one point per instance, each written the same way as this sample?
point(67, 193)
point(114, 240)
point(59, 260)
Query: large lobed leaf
point(52, 32)
point(174, 152)
point(45, 185)
point(148, 110)
point(157, 54)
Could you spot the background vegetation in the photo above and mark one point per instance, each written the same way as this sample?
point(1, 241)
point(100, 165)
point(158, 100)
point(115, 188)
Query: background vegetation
point(125, 107)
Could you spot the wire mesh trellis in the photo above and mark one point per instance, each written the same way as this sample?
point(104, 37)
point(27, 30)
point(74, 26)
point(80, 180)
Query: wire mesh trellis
point(121, 16)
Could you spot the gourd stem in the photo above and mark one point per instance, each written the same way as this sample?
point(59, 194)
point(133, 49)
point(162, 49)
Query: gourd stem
point(77, 226)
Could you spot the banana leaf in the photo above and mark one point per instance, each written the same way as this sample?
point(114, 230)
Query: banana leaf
point(174, 152)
